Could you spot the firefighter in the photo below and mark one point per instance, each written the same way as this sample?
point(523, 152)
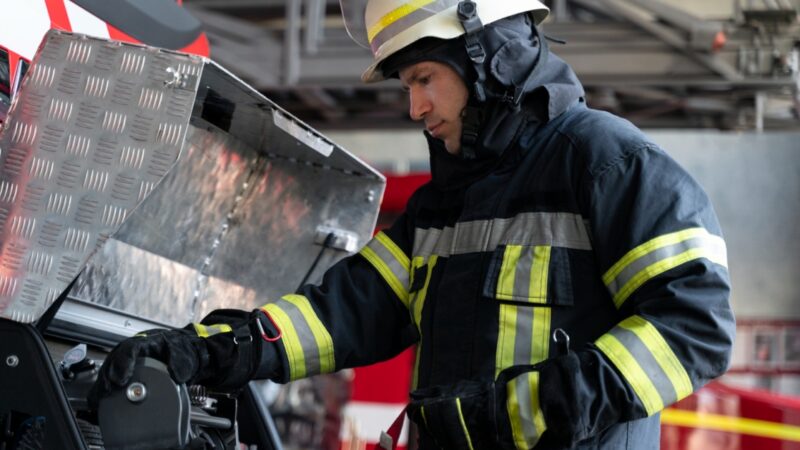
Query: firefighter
point(563, 279)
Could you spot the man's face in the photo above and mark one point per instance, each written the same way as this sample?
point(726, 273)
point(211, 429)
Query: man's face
point(437, 96)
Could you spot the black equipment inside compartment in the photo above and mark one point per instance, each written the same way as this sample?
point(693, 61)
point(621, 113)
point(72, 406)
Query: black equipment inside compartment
point(32, 398)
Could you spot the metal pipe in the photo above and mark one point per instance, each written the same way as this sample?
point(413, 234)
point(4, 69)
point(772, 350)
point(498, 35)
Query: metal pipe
point(291, 46)
point(314, 29)
point(674, 40)
point(560, 11)
point(761, 103)
point(205, 420)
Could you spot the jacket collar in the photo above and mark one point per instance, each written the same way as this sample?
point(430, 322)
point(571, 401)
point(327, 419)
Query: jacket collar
point(555, 89)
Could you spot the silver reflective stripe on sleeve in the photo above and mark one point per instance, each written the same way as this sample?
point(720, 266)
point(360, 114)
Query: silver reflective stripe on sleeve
point(659, 255)
point(390, 261)
point(308, 344)
point(647, 363)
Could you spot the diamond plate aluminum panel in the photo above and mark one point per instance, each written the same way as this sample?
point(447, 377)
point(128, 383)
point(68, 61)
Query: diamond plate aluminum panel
point(174, 187)
point(96, 126)
point(228, 227)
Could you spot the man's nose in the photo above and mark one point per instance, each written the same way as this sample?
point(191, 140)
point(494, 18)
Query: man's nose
point(419, 105)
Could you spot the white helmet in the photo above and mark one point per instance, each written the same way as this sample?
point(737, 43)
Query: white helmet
point(388, 26)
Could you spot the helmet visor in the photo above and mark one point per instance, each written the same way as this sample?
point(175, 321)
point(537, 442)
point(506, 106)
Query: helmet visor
point(353, 12)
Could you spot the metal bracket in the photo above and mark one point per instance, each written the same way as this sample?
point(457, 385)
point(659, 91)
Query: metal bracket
point(342, 239)
point(304, 135)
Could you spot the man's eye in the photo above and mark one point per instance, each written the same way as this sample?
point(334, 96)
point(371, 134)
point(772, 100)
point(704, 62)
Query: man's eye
point(424, 80)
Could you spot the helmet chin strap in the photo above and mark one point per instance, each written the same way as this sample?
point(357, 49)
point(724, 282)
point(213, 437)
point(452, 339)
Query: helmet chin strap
point(472, 115)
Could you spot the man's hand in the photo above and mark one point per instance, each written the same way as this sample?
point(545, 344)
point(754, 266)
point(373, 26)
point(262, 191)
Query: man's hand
point(184, 353)
point(459, 416)
point(471, 415)
point(225, 355)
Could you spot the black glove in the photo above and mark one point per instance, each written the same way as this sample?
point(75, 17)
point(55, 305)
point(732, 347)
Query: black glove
point(469, 415)
point(225, 351)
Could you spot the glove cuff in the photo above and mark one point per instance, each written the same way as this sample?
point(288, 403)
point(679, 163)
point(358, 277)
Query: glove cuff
point(246, 352)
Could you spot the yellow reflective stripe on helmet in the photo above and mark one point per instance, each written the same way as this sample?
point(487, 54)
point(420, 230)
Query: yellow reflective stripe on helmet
point(463, 423)
point(647, 363)
point(309, 346)
point(395, 15)
point(659, 255)
point(390, 261)
point(524, 411)
point(205, 331)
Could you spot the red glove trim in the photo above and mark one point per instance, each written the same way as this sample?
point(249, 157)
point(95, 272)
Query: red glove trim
point(264, 333)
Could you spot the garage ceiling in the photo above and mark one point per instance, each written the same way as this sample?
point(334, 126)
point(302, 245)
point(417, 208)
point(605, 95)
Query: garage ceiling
point(651, 61)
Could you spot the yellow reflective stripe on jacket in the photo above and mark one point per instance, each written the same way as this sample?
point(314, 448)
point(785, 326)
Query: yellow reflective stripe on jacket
point(308, 344)
point(523, 336)
point(524, 411)
point(424, 417)
point(463, 423)
point(505, 281)
point(416, 303)
point(659, 255)
point(205, 331)
point(390, 261)
point(523, 274)
point(647, 363)
point(523, 331)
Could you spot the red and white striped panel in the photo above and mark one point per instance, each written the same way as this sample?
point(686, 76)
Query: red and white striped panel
point(380, 392)
point(25, 23)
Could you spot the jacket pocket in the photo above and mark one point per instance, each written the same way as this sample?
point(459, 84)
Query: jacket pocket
point(527, 282)
point(534, 275)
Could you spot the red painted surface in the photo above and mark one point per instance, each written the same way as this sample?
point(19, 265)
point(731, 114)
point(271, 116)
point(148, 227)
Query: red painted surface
point(200, 46)
point(59, 19)
point(399, 189)
point(386, 382)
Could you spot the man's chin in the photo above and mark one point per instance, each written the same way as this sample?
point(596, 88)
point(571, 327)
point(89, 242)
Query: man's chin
point(454, 148)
